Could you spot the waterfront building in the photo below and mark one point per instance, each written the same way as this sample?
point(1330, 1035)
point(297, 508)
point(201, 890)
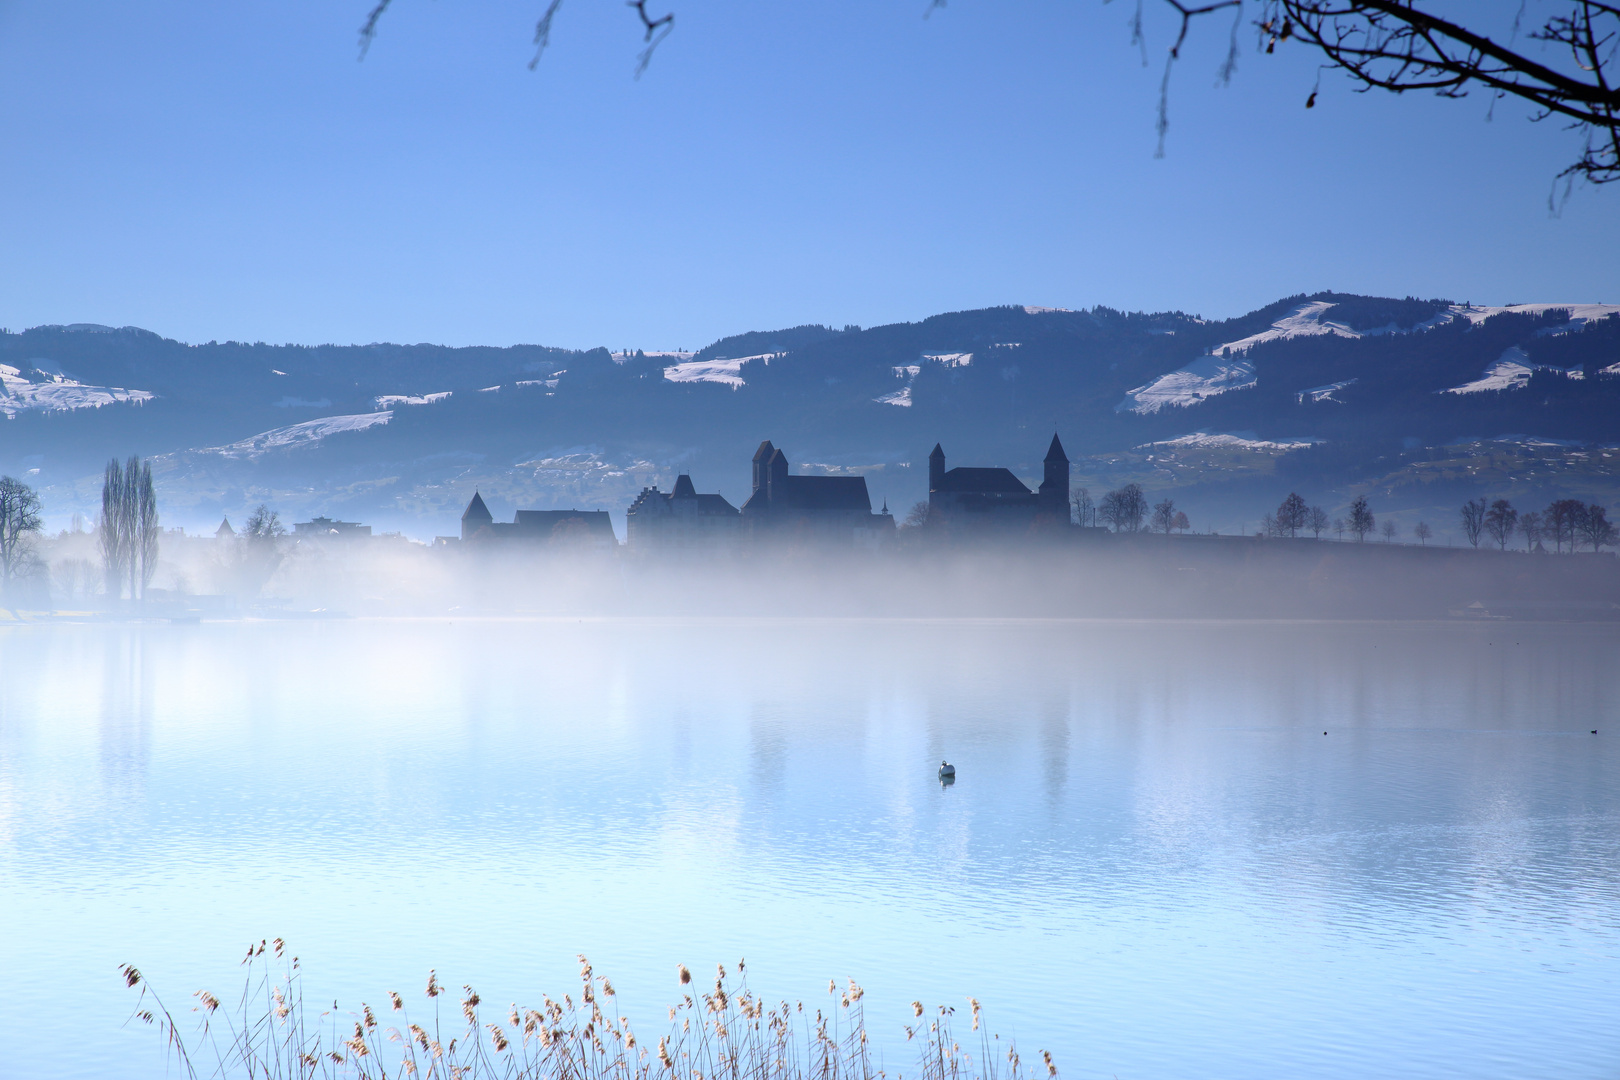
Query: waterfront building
point(681, 519)
point(970, 496)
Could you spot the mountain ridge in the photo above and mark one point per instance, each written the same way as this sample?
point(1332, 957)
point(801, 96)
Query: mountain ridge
point(1325, 391)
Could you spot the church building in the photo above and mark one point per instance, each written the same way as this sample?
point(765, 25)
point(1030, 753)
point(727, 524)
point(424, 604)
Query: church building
point(837, 509)
point(972, 497)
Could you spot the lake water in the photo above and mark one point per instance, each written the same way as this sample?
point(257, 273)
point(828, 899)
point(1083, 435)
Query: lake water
point(1153, 863)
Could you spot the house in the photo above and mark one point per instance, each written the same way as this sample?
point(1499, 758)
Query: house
point(681, 519)
point(994, 497)
point(837, 509)
point(325, 526)
point(590, 528)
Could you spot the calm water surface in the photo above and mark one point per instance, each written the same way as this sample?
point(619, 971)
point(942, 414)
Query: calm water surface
point(1154, 863)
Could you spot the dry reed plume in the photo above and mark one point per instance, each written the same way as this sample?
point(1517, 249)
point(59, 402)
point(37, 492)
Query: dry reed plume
point(726, 1033)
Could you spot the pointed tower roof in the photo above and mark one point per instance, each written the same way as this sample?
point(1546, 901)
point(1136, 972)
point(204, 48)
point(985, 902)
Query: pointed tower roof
point(224, 529)
point(765, 451)
point(476, 510)
point(938, 452)
point(1055, 451)
point(684, 488)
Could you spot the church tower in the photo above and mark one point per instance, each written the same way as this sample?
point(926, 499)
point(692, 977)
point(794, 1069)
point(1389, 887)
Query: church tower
point(475, 518)
point(1054, 490)
point(936, 468)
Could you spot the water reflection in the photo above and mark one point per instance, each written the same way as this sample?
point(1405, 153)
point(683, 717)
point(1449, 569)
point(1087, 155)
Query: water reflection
point(1153, 861)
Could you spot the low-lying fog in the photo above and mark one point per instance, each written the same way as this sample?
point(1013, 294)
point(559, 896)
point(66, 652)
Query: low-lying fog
point(1085, 573)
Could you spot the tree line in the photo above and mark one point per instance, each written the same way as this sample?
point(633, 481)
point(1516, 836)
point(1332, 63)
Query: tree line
point(128, 535)
point(1566, 522)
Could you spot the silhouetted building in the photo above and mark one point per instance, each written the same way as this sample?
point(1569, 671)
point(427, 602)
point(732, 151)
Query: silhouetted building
point(831, 508)
point(969, 496)
point(225, 532)
point(681, 519)
point(325, 526)
point(591, 528)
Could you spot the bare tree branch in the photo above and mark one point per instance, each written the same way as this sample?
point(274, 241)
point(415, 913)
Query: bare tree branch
point(1395, 45)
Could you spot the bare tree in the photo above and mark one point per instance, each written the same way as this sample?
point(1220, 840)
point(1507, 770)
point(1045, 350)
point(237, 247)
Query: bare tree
point(1500, 520)
point(145, 544)
point(1181, 524)
point(1361, 518)
point(256, 552)
point(1124, 508)
point(1422, 531)
point(1530, 527)
point(128, 531)
point(1292, 514)
point(19, 524)
point(1164, 517)
point(1316, 520)
point(1390, 45)
point(1339, 526)
point(918, 516)
point(1389, 530)
point(1473, 519)
point(1085, 510)
point(111, 534)
point(1397, 46)
point(1559, 522)
point(1594, 527)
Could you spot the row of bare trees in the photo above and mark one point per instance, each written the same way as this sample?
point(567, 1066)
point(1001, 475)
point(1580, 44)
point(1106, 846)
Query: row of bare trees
point(128, 531)
point(1566, 522)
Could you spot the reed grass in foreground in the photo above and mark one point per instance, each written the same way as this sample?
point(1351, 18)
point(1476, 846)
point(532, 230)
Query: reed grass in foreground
point(726, 1033)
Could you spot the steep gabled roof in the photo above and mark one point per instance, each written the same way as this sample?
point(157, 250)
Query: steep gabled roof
point(1055, 451)
point(983, 481)
point(476, 510)
point(684, 488)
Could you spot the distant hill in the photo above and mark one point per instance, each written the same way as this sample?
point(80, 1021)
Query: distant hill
point(1418, 403)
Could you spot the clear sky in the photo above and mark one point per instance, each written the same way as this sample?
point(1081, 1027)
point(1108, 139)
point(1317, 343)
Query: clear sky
point(226, 170)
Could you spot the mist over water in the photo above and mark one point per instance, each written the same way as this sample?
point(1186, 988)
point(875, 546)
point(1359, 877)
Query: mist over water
point(1153, 863)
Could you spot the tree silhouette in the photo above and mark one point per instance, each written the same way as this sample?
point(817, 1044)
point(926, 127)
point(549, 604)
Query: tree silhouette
point(1473, 519)
point(1500, 520)
point(1361, 518)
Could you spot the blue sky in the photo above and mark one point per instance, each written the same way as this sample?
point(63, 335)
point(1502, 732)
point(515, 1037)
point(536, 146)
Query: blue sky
point(210, 170)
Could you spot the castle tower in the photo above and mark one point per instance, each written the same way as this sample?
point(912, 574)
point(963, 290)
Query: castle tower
point(477, 516)
point(762, 457)
point(936, 468)
point(1054, 490)
point(776, 471)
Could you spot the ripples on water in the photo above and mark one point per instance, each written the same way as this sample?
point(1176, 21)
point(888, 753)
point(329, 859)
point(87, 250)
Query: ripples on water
point(1154, 862)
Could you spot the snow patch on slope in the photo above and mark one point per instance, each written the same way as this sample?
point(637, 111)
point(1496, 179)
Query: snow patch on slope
point(1231, 440)
point(902, 396)
point(722, 370)
point(1306, 320)
point(1579, 314)
point(1323, 393)
point(385, 401)
point(305, 434)
point(58, 393)
point(1513, 369)
point(1201, 379)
